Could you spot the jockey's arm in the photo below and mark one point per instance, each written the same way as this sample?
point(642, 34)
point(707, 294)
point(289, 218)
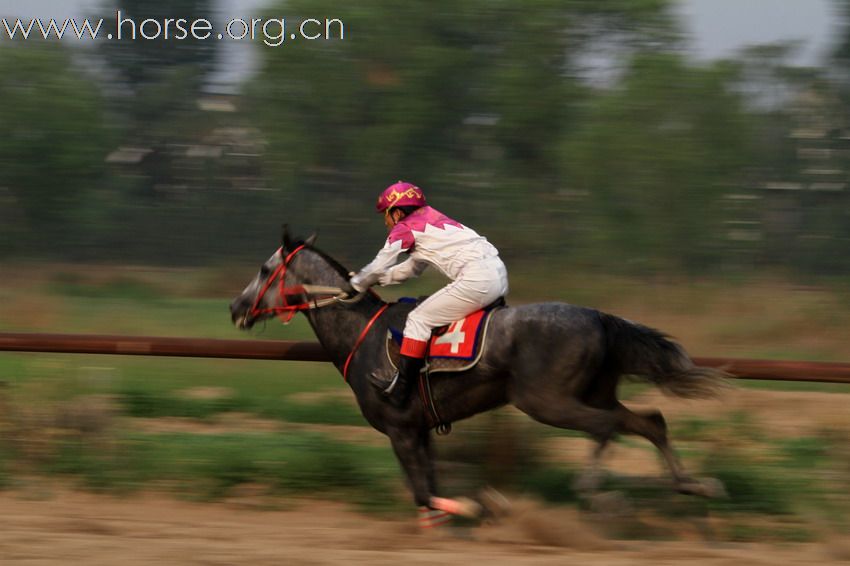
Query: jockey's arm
point(377, 269)
point(403, 271)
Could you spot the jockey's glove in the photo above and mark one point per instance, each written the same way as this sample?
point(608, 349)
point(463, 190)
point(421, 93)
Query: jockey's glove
point(362, 282)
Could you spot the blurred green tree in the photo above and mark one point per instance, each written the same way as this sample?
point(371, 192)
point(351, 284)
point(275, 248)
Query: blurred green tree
point(153, 84)
point(800, 170)
point(842, 56)
point(468, 99)
point(841, 51)
point(172, 185)
point(655, 155)
point(53, 144)
point(142, 61)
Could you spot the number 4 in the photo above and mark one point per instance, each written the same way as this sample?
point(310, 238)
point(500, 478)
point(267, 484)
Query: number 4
point(454, 336)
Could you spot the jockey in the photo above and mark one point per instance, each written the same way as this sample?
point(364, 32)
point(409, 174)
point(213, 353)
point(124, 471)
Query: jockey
point(478, 276)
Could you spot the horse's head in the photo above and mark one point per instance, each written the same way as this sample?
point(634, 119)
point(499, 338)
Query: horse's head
point(278, 287)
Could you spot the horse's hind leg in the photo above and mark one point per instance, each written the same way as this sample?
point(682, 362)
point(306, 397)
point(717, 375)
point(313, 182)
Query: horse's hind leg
point(571, 413)
point(591, 478)
point(652, 426)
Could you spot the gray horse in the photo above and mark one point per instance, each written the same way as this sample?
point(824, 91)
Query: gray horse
point(558, 363)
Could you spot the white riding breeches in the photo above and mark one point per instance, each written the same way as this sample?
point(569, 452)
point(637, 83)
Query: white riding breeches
point(480, 284)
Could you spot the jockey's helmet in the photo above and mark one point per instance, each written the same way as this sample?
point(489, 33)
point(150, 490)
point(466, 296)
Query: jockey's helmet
point(400, 194)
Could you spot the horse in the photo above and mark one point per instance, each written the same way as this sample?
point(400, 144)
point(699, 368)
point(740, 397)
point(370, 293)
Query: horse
point(558, 363)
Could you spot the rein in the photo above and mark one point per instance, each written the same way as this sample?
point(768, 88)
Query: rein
point(360, 339)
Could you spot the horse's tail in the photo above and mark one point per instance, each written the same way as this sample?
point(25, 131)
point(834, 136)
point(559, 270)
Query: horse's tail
point(638, 350)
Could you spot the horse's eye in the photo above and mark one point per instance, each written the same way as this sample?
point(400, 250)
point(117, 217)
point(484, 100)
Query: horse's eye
point(264, 272)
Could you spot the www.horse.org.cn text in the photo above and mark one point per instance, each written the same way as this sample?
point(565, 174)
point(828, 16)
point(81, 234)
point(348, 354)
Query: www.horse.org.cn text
point(272, 32)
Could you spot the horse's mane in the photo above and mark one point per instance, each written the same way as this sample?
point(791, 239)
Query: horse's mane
point(338, 267)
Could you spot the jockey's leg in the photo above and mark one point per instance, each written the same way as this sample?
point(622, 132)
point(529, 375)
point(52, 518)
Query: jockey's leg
point(451, 303)
point(410, 364)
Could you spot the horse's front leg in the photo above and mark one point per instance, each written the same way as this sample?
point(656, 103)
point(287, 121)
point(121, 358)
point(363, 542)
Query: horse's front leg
point(412, 447)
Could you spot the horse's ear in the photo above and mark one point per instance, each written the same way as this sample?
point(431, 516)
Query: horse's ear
point(285, 239)
point(312, 239)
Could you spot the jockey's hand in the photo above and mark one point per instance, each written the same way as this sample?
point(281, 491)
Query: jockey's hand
point(361, 283)
point(348, 288)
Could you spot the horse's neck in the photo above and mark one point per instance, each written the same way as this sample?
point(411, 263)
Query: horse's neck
point(338, 328)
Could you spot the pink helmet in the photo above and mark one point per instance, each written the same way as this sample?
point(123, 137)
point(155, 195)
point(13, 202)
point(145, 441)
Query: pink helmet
point(400, 194)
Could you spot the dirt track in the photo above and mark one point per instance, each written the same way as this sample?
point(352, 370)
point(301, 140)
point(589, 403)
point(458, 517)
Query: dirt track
point(74, 528)
point(43, 525)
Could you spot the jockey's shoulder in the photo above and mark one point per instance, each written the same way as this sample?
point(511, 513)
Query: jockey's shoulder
point(426, 216)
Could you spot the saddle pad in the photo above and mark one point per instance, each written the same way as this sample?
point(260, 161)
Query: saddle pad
point(459, 339)
point(457, 349)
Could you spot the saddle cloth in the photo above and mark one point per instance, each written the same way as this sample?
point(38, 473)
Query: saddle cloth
point(456, 347)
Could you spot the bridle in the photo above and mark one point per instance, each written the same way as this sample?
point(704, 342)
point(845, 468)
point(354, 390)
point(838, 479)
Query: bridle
point(286, 310)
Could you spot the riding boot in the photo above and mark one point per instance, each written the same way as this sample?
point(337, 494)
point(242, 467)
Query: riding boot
point(398, 391)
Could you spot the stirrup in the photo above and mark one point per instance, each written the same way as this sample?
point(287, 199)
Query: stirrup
point(388, 390)
point(383, 384)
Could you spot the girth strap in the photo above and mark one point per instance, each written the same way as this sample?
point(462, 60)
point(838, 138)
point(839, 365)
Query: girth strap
point(436, 421)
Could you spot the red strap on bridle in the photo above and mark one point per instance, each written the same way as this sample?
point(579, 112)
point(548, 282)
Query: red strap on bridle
point(285, 311)
point(360, 339)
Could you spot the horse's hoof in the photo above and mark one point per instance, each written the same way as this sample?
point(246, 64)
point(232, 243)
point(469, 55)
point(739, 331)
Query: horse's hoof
point(714, 488)
point(495, 504)
point(469, 508)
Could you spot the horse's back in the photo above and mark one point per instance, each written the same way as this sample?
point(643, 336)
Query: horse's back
point(557, 321)
point(542, 341)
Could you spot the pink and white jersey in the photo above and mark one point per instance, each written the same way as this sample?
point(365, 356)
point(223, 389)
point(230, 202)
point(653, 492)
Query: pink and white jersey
point(429, 237)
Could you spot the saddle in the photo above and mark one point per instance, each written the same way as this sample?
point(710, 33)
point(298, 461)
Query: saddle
point(454, 347)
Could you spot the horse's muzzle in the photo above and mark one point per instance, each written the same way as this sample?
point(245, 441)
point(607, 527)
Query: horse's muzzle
point(240, 314)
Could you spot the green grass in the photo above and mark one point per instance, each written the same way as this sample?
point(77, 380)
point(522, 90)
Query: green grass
point(550, 483)
point(150, 402)
point(5, 476)
point(804, 453)
point(328, 411)
point(793, 385)
point(260, 383)
point(745, 532)
point(692, 428)
point(209, 466)
point(794, 475)
point(752, 488)
point(122, 287)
